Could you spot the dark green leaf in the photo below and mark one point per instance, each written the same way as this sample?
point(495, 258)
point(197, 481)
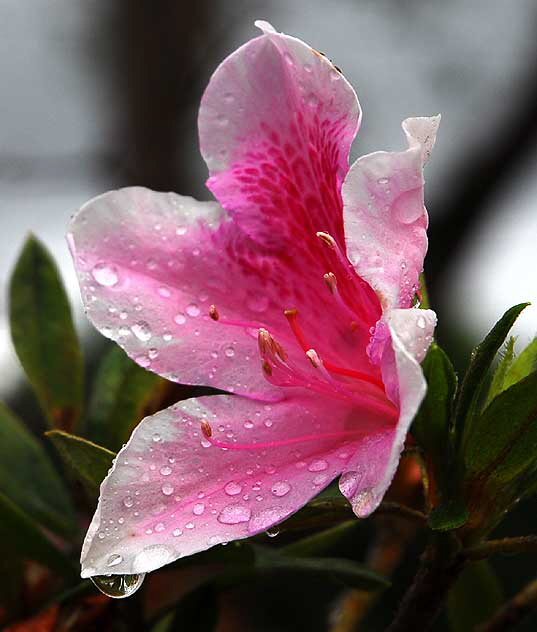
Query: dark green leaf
point(90, 462)
point(44, 335)
point(321, 543)
point(29, 479)
point(449, 516)
point(474, 598)
point(123, 394)
point(524, 364)
point(197, 610)
point(502, 442)
point(21, 533)
point(498, 381)
point(345, 571)
point(431, 425)
point(482, 357)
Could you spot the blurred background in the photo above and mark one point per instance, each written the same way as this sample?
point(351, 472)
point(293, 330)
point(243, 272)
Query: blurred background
point(102, 94)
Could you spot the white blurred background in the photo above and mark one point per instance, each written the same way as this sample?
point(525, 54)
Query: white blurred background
point(104, 93)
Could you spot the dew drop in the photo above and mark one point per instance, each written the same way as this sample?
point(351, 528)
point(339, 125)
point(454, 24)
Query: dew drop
point(176, 533)
point(318, 465)
point(383, 180)
point(142, 331)
point(179, 319)
point(248, 424)
point(128, 501)
point(281, 488)
point(165, 470)
point(230, 352)
point(233, 488)
point(198, 509)
point(164, 292)
point(234, 514)
point(152, 557)
point(421, 322)
point(118, 586)
point(272, 532)
point(167, 489)
point(105, 274)
point(193, 310)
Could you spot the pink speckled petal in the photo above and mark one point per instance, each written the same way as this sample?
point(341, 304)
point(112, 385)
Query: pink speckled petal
point(173, 491)
point(150, 265)
point(384, 215)
point(276, 124)
point(401, 347)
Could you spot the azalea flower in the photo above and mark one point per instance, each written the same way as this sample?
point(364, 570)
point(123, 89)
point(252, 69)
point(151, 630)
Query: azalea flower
point(293, 294)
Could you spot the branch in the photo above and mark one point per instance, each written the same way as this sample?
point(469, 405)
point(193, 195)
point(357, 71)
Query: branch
point(505, 546)
point(513, 611)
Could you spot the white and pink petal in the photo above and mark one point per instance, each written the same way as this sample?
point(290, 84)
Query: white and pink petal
point(385, 217)
point(174, 491)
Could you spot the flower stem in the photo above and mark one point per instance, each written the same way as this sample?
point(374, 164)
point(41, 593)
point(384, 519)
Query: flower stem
point(506, 546)
point(425, 597)
point(514, 611)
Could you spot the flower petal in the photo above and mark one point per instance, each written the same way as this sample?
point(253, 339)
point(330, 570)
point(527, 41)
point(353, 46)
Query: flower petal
point(174, 490)
point(149, 265)
point(372, 467)
point(276, 124)
point(384, 215)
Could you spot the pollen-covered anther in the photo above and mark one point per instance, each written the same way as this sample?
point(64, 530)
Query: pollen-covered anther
point(267, 369)
point(314, 358)
point(327, 239)
point(206, 429)
point(213, 312)
point(331, 281)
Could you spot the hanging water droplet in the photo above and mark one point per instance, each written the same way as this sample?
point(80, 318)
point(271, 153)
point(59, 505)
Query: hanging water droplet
point(272, 532)
point(118, 586)
point(128, 501)
point(105, 274)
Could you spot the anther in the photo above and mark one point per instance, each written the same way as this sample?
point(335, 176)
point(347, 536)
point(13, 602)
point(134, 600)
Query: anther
point(213, 312)
point(327, 239)
point(313, 357)
point(267, 369)
point(331, 281)
point(206, 429)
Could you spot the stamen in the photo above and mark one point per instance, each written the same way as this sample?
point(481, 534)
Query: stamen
point(327, 238)
point(314, 358)
point(206, 429)
point(213, 312)
point(292, 317)
point(267, 369)
point(331, 282)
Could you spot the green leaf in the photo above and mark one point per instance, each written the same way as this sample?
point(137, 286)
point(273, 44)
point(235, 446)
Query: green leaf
point(44, 335)
point(449, 516)
point(345, 571)
point(21, 533)
point(90, 462)
point(482, 357)
point(502, 442)
point(498, 381)
point(431, 425)
point(197, 610)
point(474, 598)
point(322, 542)
point(123, 394)
point(28, 478)
point(524, 364)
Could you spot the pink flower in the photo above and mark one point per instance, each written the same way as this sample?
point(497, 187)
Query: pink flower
point(294, 295)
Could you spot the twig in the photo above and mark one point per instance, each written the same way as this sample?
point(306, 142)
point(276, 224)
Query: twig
point(513, 611)
point(505, 546)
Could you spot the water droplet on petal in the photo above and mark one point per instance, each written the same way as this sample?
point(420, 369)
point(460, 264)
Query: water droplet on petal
point(166, 470)
point(193, 310)
point(118, 586)
point(230, 352)
point(179, 319)
point(198, 509)
point(167, 489)
point(421, 322)
point(233, 488)
point(318, 465)
point(105, 274)
point(152, 557)
point(362, 503)
point(142, 331)
point(266, 518)
point(234, 514)
point(248, 424)
point(280, 488)
point(114, 560)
